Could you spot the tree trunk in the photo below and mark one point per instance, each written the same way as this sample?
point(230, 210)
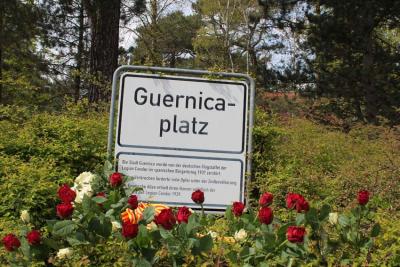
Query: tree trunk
point(367, 79)
point(104, 24)
point(79, 55)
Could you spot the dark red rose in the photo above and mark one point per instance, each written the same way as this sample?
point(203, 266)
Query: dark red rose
point(298, 202)
point(198, 196)
point(363, 197)
point(265, 215)
point(33, 237)
point(237, 208)
point(166, 219)
point(130, 230)
point(295, 234)
point(115, 179)
point(11, 242)
point(64, 210)
point(133, 201)
point(266, 199)
point(183, 214)
point(66, 194)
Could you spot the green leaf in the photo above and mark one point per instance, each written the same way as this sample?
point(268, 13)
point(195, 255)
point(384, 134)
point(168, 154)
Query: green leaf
point(141, 262)
point(101, 226)
point(192, 224)
point(165, 233)
point(324, 212)
point(228, 213)
point(148, 215)
point(206, 243)
point(89, 206)
point(311, 217)
point(99, 200)
point(343, 220)
point(64, 228)
point(300, 218)
point(376, 229)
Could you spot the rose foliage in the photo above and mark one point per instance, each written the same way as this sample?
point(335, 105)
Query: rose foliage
point(154, 234)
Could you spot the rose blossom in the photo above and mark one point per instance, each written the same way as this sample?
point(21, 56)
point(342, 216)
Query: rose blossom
point(64, 253)
point(166, 219)
point(33, 237)
point(133, 201)
point(198, 196)
point(11, 242)
point(266, 199)
point(130, 230)
point(64, 210)
point(66, 194)
point(115, 179)
point(363, 197)
point(295, 234)
point(82, 186)
point(333, 218)
point(298, 202)
point(237, 208)
point(240, 235)
point(183, 214)
point(265, 215)
point(25, 217)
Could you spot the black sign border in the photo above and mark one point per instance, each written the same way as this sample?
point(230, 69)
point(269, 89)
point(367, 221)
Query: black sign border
point(245, 86)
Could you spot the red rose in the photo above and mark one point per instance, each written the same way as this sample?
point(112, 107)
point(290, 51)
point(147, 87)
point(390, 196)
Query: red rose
point(130, 230)
point(265, 215)
point(198, 196)
point(66, 194)
point(11, 242)
point(363, 197)
point(133, 201)
point(266, 199)
point(64, 210)
point(33, 237)
point(237, 208)
point(115, 179)
point(166, 219)
point(183, 215)
point(295, 234)
point(297, 201)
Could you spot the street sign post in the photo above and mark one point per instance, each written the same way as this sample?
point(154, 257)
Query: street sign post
point(176, 134)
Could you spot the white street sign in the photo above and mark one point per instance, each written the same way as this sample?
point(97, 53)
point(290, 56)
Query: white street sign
point(178, 134)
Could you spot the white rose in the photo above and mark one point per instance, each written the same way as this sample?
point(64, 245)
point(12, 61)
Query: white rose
point(116, 226)
point(81, 191)
point(82, 186)
point(25, 217)
point(240, 235)
point(213, 234)
point(64, 253)
point(84, 178)
point(333, 218)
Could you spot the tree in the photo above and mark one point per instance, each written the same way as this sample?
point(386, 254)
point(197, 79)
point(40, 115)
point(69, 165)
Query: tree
point(354, 63)
point(21, 66)
point(174, 36)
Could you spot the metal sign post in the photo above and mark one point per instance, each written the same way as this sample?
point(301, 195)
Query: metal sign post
point(179, 133)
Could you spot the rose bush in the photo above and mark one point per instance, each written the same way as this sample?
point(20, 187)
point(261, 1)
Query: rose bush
point(155, 234)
